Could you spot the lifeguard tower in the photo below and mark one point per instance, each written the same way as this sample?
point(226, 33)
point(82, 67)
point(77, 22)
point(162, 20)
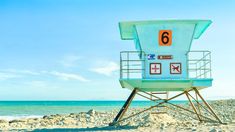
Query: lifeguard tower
point(163, 63)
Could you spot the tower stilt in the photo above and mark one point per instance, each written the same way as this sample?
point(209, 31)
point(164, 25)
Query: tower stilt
point(160, 102)
point(124, 107)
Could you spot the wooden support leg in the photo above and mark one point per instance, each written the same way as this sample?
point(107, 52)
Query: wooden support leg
point(198, 105)
point(194, 108)
point(124, 108)
point(161, 101)
point(208, 106)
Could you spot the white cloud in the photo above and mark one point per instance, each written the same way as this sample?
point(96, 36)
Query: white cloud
point(69, 76)
point(13, 73)
point(107, 69)
point(29, 72)
point(70, 60)
point(5, 76)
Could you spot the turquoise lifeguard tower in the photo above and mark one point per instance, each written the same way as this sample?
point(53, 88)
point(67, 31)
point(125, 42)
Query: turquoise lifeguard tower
point(163, 62)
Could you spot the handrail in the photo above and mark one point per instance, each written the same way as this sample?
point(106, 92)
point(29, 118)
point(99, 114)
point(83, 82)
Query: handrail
point(133, 64)
point(129, 65)
point(199, 68)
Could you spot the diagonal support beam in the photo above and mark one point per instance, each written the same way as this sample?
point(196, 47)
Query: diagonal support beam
point(209, 107)
point(190, 111)
point(204, 107)
point(118, 119)
point(119, 116)
point(124, 107)
point(198, 104)
point(186, 93)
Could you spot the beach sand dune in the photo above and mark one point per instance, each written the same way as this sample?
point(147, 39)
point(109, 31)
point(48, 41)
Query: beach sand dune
point(98, 121)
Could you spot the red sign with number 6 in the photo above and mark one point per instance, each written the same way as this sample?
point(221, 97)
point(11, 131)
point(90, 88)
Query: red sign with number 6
point(165, 37)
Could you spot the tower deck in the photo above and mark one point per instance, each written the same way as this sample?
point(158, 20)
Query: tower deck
point(150, 85)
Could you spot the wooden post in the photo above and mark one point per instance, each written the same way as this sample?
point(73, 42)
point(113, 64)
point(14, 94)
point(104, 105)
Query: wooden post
point(124, 107)
point(193, 106)
point(209, 107)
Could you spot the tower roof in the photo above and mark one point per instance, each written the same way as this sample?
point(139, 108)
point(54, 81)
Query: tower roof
point(126, 28)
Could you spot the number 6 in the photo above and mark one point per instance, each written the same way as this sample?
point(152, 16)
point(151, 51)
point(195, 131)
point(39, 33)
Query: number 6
point(165, 37)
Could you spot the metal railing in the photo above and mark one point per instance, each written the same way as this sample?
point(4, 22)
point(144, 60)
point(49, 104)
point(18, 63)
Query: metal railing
point(132, 64)
point(199, 64)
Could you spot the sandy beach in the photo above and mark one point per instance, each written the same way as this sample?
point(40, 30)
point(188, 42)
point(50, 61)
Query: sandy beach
point(148, 121)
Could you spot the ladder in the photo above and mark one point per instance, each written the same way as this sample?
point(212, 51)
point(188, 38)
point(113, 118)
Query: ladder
point(158, 109)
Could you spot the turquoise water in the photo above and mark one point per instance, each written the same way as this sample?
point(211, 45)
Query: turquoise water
point(18, 109)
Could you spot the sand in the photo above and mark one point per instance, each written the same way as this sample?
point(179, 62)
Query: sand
point(148, 121)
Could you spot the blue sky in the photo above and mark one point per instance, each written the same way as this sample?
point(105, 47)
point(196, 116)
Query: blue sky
point(69, 49)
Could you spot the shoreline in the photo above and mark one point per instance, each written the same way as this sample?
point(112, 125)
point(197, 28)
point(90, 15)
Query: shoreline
point(93, 120)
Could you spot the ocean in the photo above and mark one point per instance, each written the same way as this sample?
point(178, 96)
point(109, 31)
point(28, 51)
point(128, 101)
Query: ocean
point(10, 110)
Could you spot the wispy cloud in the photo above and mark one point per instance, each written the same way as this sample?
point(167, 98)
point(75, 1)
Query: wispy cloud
point(107, 68)
point(6, 76)
point(13, 73)
point(29, 72)
point(69, 76)
point(70, 60)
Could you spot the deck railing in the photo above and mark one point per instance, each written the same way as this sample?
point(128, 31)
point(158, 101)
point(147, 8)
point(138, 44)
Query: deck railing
point(132, 64)
point(199, 64)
